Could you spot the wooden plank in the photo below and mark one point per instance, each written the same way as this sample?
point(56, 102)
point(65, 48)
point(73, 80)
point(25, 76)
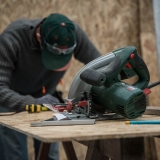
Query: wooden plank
point(152, 110)
point(101, 130)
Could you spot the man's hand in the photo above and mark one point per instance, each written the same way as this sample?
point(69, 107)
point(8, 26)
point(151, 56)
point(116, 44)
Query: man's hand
point(48, 99)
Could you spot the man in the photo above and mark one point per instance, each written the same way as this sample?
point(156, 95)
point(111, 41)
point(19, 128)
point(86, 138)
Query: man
point(34, 55)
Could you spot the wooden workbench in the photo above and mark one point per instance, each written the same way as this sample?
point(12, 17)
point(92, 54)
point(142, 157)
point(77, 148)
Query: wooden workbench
point(109, 129)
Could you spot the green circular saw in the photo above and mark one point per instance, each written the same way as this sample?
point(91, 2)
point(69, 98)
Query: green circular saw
point(103, 79)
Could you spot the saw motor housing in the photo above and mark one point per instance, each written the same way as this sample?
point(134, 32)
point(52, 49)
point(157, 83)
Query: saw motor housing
point(111, 93)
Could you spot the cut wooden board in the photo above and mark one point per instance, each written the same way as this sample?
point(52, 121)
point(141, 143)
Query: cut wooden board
point(152, 110)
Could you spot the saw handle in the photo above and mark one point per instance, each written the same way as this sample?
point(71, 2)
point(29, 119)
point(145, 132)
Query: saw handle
point(98, 77)
point(142, 71)
point(93, 77)
point(130, 60)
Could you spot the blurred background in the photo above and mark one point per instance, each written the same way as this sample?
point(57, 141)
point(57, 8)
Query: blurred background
point(110, 24)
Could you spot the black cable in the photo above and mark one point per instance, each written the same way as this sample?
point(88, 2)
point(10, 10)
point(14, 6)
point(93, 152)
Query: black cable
point(153, 84)
point(10, 113)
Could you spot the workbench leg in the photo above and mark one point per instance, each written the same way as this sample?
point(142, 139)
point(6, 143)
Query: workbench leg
point(124, 148)
point(90, 150)
point(93, 152)
point(133, 148)
point(150, 148)
point(43, 151)
point(69, 150)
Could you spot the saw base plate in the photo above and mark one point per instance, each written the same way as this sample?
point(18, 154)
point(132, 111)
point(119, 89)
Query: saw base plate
point(100, 116)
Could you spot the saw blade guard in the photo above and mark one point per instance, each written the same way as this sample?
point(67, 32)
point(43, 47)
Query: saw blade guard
point(78, 86)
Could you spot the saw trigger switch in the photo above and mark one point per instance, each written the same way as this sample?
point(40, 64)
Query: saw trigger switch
point(128, 65)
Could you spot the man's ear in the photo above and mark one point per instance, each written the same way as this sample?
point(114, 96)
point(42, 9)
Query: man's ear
point(38, 35)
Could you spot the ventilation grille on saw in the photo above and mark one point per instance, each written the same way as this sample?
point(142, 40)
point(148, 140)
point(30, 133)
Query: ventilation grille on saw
point(134, 108)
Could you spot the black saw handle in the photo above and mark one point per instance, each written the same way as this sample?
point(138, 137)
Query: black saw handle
point(93, 77)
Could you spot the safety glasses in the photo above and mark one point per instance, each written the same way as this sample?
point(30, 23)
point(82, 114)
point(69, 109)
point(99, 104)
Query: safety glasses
point(59, 51)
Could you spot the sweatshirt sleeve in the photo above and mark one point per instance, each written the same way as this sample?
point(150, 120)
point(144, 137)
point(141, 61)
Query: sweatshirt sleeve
point(85, 51)
point(10, 99)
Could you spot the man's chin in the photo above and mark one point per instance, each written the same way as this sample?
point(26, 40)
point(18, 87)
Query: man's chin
point(64, 68)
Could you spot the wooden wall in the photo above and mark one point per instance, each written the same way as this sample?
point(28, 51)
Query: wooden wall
point(109, 24)
point(148, 47)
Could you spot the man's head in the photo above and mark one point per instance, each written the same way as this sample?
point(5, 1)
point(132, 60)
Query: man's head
point(58, 41)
